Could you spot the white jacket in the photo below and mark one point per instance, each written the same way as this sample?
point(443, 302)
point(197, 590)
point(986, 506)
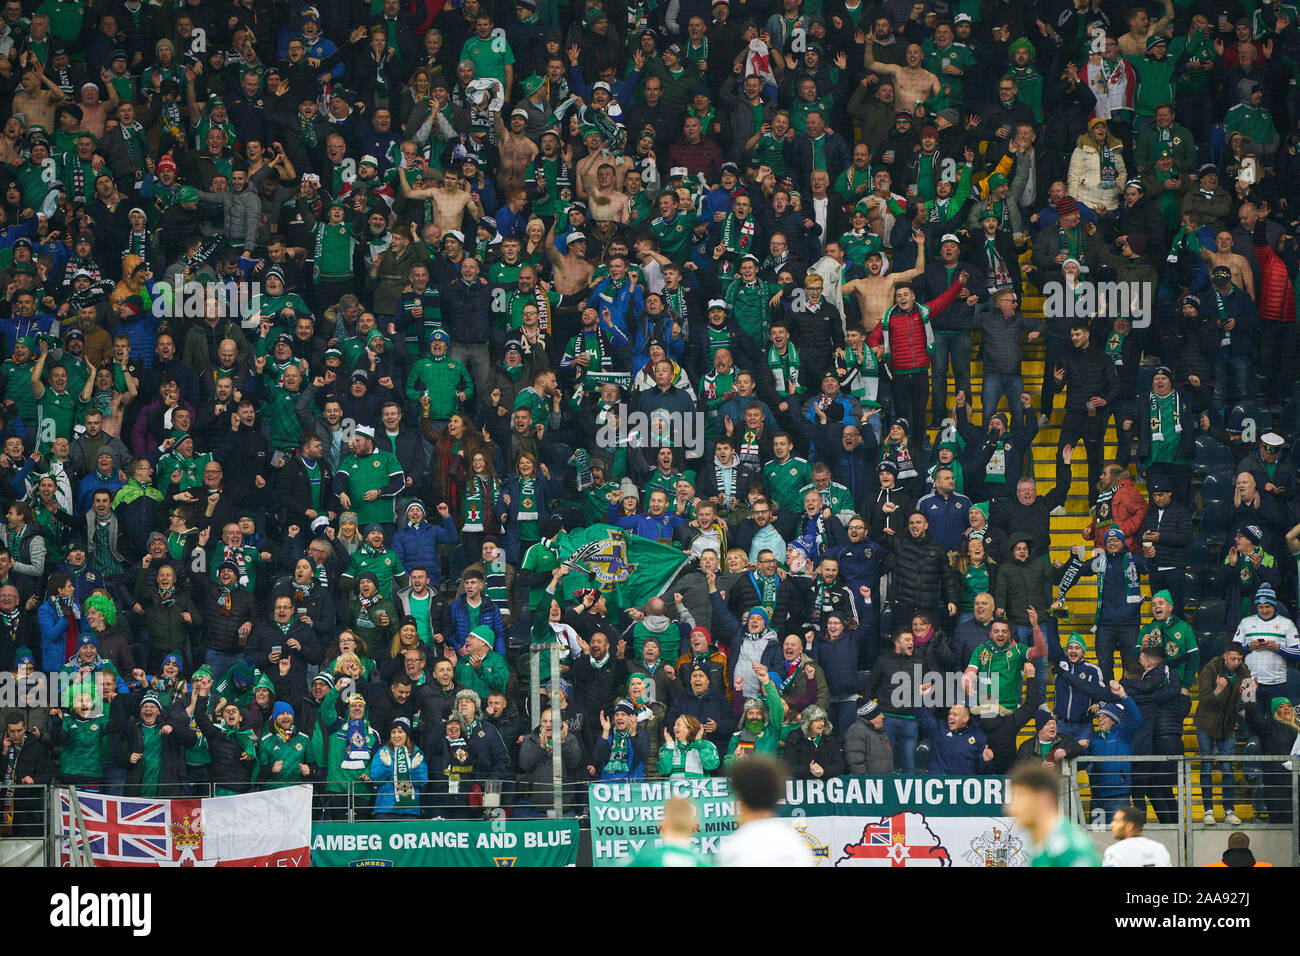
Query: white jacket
point(1084, 179)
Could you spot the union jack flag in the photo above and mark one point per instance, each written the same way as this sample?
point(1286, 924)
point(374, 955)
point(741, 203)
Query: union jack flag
point(121, 831)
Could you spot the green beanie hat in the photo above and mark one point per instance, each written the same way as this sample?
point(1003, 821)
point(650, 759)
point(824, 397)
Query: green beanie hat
point(264, 681)
point(982, 508)
point(1164, 594)
point(1279, 701)
point(485, 634)
point(187, 194)
point(1076, 638)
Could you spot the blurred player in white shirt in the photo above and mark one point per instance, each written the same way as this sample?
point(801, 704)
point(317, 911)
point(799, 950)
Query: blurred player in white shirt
point(1133, 849)
point(764, 839)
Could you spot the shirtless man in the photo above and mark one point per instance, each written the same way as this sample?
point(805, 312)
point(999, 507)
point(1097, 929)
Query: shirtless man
point(517, 150)
point(914, 84)
point(449, 200)
point(597, 156)
point(1134, 43)
point(874, 293)
point(37, 96)
point(572, 270)
point(607, 203)
point(1243, 277)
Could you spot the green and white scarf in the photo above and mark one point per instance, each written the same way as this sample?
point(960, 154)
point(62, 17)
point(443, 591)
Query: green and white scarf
point(1132, 586)
point(1175, 407)
point(1109, 173)
point(785, 368)
point(619, 751)
point(403, 789)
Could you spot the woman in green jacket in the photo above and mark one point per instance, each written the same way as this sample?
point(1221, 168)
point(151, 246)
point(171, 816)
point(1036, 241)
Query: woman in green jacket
point(685, 754)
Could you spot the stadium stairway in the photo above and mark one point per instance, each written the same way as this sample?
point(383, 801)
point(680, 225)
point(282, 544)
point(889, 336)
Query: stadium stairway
point(1067, 530)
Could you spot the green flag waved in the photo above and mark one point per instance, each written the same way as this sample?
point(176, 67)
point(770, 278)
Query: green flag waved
point(626, 568)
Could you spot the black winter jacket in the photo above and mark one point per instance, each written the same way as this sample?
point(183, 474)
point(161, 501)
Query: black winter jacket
point(221, 631)
point(467, 312)
point(800, 753)
point(174, 744)
point(925, 580)
point(228, 770)
point(1175, 527)
point(1163, 706)
point(267, 634)
point(1088, 372)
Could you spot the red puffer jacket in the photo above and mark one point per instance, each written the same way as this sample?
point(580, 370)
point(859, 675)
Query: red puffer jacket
point(909, 346)
point(1276, 294)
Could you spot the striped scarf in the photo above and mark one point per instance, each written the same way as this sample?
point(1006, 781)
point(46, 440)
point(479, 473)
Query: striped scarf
point(496, 585)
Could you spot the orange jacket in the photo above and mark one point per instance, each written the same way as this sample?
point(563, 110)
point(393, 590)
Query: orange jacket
point(1127, 509)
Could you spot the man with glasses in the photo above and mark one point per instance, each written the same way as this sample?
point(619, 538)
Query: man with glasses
point(757, 533)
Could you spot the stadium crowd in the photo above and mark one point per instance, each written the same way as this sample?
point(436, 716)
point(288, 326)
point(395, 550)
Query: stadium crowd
point(475, 275)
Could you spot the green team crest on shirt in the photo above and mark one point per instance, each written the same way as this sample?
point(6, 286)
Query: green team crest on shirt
point(606, 559)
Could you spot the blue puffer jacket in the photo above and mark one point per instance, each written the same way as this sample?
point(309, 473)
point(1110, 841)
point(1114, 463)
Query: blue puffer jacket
point(1113, 780)
point(92, 483)
point(960, 753)
point(467, 312)
point(418, 546)
point(489, 616)
point(54, 630)
point(143, 333)
point(382, 774)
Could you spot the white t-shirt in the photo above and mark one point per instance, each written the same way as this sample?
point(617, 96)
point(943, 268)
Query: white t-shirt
point(1136, 851)
point(1267, 667)
point(767, 842)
